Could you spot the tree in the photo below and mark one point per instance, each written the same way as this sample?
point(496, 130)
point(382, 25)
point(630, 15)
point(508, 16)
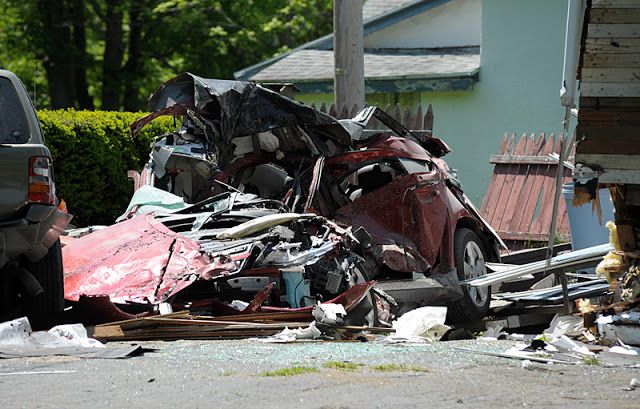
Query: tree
point(114, 53)
point(18, 55)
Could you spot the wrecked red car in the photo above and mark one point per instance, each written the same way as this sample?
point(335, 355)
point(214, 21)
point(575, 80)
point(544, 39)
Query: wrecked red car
point(321, 204)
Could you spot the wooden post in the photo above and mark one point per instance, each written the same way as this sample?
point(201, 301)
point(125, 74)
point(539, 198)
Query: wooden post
point(348, 54)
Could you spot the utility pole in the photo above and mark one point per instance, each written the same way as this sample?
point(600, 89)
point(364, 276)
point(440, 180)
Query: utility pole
point(348, 54)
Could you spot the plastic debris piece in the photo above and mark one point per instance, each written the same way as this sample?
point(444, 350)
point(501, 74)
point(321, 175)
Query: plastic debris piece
point(15, 332)
point(17, 340)
point(565, 343)
point(564, 325)
point(332, 314)
point(623, 328)
point(291, 335)
point(239, 305)
point(425, 324)
point(422, 322)
point(493, 331)
point(164, 308)
point(75, 334)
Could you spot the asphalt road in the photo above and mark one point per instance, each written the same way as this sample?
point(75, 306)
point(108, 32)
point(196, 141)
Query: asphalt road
point(232, 374)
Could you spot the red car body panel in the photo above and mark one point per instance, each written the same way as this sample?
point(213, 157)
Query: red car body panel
point(138, 260)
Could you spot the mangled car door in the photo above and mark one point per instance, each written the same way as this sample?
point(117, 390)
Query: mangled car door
point(401, 203)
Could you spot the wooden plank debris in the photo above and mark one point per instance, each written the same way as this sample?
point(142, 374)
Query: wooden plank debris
point(184, 326)
point(614, 16)
point(610, 89)
point(614, 30)
point(610, 61)
point(611, 74)
point(613, 4)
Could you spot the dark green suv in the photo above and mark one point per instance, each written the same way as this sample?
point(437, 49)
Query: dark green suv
point(31, 278)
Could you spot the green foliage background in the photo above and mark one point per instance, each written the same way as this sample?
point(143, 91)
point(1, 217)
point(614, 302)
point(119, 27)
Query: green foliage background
point(156, 40)
point(92, 151)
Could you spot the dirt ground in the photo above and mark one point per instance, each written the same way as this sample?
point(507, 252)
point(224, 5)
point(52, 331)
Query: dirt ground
point(233, 374)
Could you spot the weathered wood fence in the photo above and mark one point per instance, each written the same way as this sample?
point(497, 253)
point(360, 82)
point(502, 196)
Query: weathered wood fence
point(416, 119)
point(519, 200)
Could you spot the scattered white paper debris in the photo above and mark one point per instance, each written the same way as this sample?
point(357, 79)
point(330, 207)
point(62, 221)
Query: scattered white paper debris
point(74, 335)
point(425, 324)
point(18, 333)
point(565, 325)
point(291, 335)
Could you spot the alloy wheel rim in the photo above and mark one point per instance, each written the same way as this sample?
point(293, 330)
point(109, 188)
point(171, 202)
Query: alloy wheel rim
point(474, 267)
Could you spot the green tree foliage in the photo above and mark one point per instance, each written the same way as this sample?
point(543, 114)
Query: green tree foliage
point(92, 152)
point(18, 55)
point(113, 53)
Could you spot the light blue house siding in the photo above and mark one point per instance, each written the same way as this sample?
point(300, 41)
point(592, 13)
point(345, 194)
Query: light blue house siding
point(518, 91)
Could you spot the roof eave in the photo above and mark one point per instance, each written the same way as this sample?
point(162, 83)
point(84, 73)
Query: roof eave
point(433, 83)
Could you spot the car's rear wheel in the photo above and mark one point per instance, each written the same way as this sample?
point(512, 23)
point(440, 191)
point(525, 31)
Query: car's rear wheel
point(43, 308)
point(470, 255)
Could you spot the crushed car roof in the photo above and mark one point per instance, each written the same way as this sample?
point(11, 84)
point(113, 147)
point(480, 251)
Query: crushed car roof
point(238, 108)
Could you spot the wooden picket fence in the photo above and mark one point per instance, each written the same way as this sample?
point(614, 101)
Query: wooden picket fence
point(415, 119)
point(519, 200)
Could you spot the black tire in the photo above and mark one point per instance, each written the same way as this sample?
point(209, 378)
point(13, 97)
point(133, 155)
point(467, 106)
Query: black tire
point(43, 308)
point(474, 305)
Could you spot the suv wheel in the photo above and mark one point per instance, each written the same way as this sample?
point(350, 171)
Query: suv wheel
point(43, 308)
point(470, 256)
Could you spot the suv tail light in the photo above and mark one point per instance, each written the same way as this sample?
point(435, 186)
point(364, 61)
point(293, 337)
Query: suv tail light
point(41, 187)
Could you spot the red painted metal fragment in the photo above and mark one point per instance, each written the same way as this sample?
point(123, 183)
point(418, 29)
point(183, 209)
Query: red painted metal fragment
point(258, 300)
point(138, 260)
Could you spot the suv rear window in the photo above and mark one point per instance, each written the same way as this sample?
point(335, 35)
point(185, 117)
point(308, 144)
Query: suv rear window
point(14, 127)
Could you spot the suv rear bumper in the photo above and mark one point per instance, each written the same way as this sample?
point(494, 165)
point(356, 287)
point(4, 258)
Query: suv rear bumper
point(32, 235)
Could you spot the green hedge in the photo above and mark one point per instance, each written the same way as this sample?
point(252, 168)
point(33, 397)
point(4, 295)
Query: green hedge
point(92, 151)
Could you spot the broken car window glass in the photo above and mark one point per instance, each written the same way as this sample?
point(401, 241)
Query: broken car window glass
point(370, 178)
point(416, 166)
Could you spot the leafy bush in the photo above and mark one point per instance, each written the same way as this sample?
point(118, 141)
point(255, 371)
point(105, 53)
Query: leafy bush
point(92, 151)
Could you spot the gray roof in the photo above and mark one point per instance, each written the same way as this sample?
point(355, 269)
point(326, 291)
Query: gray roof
point(317, 65)
point(374, 8)
point(402, 10)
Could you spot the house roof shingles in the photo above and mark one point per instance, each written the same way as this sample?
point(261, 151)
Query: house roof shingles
point(317, 65)
point(377, 14)
point(374, 8)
